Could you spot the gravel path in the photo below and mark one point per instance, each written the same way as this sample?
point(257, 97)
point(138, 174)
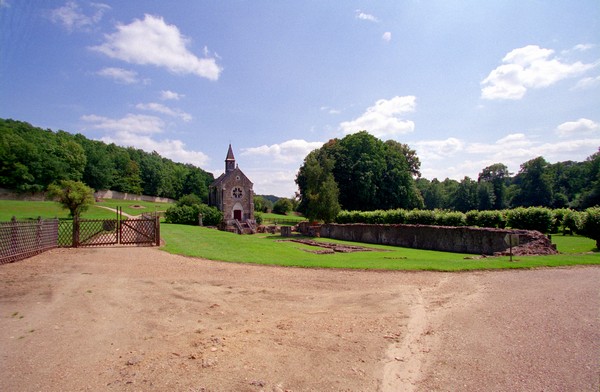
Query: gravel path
point(139, 319)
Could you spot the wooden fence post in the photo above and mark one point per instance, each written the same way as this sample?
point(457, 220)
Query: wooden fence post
point(75, 231)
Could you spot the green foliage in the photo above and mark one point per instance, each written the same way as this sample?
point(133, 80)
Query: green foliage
point(188, 215)
point(450, 218)
point(368, 173)
point(531, 218)
point(590, 225)
point(262, 204)
point(258, 218)
point(320, 191)
point(74, 196)
point(32, 158)
point(488, 218)
point(282, 206)
point(571, 221)
point(189, 200)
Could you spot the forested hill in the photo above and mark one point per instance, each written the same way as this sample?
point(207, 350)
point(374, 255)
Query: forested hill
point(32, 158)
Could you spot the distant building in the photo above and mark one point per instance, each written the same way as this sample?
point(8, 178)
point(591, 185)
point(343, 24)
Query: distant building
point(232, 194)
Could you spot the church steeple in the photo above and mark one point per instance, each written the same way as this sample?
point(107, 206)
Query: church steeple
point(230, 160)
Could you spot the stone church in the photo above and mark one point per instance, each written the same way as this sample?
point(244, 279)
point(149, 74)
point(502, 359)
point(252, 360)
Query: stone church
point(232, 194)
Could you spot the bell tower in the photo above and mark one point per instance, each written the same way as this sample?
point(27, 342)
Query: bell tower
point(230, 160)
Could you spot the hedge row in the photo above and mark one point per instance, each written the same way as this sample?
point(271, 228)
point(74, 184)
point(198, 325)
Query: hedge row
point(541, 219)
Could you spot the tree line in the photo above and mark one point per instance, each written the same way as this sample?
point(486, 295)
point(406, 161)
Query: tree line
point(360, 172)
point(32, 158)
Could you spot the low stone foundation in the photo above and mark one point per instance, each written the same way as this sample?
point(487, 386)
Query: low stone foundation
point(474, 240)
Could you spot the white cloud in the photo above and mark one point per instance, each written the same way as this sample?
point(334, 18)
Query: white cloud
point(136, 130)
point(581, 127)
point(160, 108)
point(438, 149)
point(364, 16)
point(131, 123)
point(71, 17)
point(290, 151)
point(583, 47)
point(153, 42)
point(589, 82)
point(120, 75)
point(526, 68)
point(166, 95)
point(387, 36)
point(382, 119)
point(330, 110)
point(272, 181)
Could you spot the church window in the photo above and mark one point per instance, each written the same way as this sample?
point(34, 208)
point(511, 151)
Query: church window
point(237, 193)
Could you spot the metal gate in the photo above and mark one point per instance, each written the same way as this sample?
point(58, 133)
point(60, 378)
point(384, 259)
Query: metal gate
point(106, 232)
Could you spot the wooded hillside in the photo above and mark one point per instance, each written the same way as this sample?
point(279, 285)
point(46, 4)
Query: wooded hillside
point(32, 158)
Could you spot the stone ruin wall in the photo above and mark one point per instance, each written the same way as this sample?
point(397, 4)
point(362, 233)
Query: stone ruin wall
point(474, 240)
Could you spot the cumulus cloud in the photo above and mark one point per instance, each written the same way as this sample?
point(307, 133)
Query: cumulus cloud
point(151, 41)
point(529, 67)
point(438, 149)
point(71, 16)
point(166, 95)
point(160, 108)
point(387, 36)
point(383, 118)
point(290, 151)
point(581, 127)
point(119, 75)
point(364, 16)
point(139, 131)
point(131, 123)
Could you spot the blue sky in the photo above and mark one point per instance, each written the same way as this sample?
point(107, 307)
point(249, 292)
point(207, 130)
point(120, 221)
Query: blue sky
point(464, 83)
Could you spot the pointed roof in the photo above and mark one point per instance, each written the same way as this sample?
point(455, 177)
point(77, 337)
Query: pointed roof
point(230, 156)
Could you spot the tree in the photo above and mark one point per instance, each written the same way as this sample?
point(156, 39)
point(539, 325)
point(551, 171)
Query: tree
point(261, 204)
point(535, 184)
point(465, 197)
point(282, 206)
point(319, 198)
point(496, 174)
point(74, 196)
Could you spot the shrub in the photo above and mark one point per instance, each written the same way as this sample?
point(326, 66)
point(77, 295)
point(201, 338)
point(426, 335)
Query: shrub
point(421, 217)
point(487, 218)
point(531, 218)
point(559, 216)
point(590, 225)
point(188, 215)
point(282, 206)
point(450, 218)
point(571, 221)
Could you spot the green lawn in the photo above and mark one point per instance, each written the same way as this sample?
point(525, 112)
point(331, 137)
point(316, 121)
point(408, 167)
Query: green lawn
point(50, 209)
point(266, 249)
point(128, 206)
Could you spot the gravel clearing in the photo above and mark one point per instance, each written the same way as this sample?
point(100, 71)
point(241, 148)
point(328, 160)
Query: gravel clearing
point(140, 319)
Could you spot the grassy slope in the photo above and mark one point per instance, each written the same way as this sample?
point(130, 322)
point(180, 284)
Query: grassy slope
point(50, 209)
point(264, 249)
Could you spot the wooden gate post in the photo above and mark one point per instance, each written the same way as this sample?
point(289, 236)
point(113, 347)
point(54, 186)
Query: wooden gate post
point(157, 230)
point(75, 231)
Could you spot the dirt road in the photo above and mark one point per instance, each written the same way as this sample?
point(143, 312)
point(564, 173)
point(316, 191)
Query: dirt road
point(139, 319)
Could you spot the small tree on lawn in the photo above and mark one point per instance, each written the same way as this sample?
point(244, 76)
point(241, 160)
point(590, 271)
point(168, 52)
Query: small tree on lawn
point(590, 227)
point(74, 196)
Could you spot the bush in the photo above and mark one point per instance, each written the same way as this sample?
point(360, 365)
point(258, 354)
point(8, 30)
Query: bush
point(282, 206)
point(188, 215)
point(487, 218)
point(450, 218)
point(590, 224)
point(571, 221)
point(531, 218)
point(421, 217)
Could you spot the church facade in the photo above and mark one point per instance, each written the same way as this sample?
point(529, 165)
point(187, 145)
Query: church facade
point(232, 194)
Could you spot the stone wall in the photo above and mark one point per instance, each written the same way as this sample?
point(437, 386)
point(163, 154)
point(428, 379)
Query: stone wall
point(107, 194)
point(473, 240)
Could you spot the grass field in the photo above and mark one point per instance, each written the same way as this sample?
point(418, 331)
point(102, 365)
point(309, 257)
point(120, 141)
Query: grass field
point(267, 249)
point(51, 209)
